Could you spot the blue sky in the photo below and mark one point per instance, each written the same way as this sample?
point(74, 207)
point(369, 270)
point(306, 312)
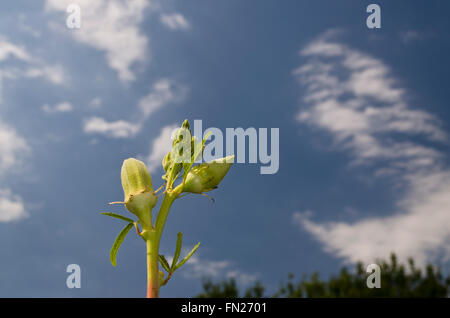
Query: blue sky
point(363, 117)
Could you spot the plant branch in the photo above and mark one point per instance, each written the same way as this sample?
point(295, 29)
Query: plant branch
point(153, 238)
point(152, 269)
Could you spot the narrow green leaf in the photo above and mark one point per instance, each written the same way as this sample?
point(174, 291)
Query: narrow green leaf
point(118, 242)
point(176, 256)
point(164, 263)
point(187, 256)
point(118, 216)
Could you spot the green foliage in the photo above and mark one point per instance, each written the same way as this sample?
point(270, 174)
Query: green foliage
point(176, 256)
point(397, 281)
point(118, 216)
point(140, 199)
point(164, 263)
point(229, 289)
point(188, 256)
point(170, 269)
point(118, 242)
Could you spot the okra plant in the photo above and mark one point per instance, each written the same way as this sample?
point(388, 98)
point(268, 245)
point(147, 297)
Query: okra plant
point(181, 177)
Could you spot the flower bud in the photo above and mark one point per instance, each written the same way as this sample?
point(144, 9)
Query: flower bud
point(169, 165)
point(207, 176)
point(182, 150)
point(138, 189)
point(186, 125)
point(167, 161)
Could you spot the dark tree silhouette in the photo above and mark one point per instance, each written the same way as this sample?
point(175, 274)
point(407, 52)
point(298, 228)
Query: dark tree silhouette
point(396, 281)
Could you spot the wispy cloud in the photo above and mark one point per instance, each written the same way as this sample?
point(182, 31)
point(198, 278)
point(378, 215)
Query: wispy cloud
point(96, 103)
point(114, 129)
point(13, 148)
point(411, 36)
point(10, 50)
point(161, 145)
point(54, 73)
point(12, 207)
point(354, 97)
point(162, 93)
point(111, 26)
point(175, 21)
point(32, 66)
point(63, 107)
point(198, 267)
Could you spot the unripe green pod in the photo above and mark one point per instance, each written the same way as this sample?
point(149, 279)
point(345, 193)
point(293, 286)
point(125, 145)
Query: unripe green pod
point(138, 189)
point(207, 176)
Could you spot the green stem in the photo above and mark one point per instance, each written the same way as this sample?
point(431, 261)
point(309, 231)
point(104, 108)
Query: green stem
point(152, 269)
point(153, 239)
point(169, 198)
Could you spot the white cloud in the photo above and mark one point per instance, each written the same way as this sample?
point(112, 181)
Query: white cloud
point(95, 103)
point(353, 97)
point(111, 26)
point(205, 268)
point(160, 147)
point(12, 207)
point(410, 36)
point(53, 73)
point(13, 147)
point(175, 21)
point(10, 50)
point(63, 107)
point(33, 67)
point(114, 129)
point(197, 268)
point(163, 92)
point(242, 278)
point(417, 228)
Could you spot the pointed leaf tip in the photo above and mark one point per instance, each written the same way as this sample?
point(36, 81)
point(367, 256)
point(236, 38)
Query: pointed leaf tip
point(118, 216)
point(118, 242)
point(194, 249)
point(176, 256)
